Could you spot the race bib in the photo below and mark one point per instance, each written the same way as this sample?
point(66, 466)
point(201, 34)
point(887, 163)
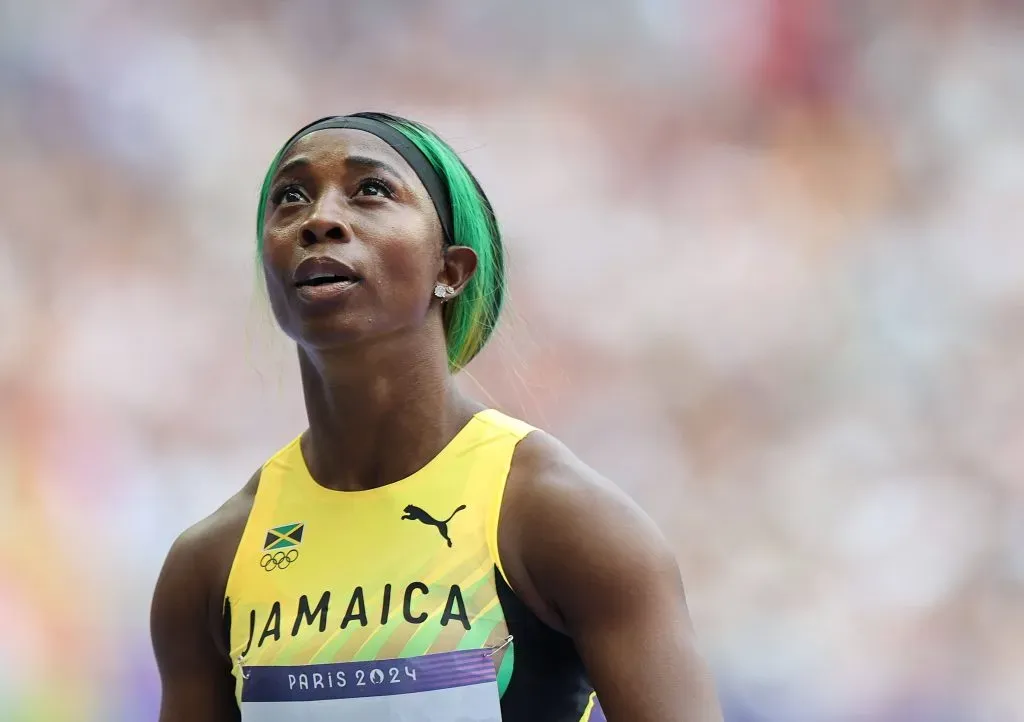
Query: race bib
point(443, 687)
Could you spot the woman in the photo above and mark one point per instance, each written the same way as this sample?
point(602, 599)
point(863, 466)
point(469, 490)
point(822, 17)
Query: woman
point(412, 555)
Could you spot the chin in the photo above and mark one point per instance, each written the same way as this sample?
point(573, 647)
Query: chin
point(321, 328)
point(323, 334)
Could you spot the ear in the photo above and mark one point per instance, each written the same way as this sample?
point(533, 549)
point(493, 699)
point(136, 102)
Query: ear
point(459, 266)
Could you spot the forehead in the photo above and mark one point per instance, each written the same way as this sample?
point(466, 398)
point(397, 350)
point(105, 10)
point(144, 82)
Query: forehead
point(332, 147)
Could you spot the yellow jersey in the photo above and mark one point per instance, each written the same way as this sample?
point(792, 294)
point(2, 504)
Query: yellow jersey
point(391, 603)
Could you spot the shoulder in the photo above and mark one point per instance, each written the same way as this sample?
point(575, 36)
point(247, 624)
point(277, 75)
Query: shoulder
point(210, 540)
point(188, 641)
point(566, 530)
point(195, 572)
point(228, 520)
point(547, 479)
point(544, 464)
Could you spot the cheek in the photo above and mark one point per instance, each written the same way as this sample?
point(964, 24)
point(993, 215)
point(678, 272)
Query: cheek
point(275, 264)
point(407, 267)
point(409, 264)
point(277, 254)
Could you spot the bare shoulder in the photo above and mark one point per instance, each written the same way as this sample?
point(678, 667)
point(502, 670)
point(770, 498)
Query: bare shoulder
point(186, 616)
point(216, 537)
point(212, 541)
point(551, 466)
point(195, 572)
point(548, 480)
point(560, 517)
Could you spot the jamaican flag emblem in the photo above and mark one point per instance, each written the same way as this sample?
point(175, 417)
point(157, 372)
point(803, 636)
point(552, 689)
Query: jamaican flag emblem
point(284, 537)
point(281, 547)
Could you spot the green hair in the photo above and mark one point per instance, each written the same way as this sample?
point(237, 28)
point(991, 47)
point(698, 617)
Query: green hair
point(471, 317)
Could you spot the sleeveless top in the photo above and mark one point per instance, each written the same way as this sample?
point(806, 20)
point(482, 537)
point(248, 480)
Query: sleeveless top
point(391, 603)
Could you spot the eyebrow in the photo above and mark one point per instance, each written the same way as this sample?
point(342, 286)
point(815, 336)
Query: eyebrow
point(352, 161)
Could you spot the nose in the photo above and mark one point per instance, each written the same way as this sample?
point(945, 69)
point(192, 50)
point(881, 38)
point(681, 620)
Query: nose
point(325, 223)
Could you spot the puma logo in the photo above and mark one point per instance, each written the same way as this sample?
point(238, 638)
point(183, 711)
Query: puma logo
point(417, 514)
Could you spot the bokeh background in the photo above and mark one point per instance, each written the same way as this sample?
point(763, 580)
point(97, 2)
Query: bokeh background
point(767, 273)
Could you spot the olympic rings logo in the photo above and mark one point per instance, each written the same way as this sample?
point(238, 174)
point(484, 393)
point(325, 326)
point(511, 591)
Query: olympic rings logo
point(279, 560)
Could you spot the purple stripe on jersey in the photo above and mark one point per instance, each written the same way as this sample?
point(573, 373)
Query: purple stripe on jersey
point(596, 713)
point(346, 680)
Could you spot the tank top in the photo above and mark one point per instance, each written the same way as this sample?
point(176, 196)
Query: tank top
point(391, 603)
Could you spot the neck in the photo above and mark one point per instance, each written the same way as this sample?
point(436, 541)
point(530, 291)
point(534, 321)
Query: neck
point(379, 414)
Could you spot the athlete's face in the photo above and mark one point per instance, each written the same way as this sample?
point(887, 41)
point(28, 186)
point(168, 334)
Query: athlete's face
point(352, 245)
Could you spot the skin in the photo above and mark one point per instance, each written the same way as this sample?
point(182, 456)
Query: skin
point(378, 354)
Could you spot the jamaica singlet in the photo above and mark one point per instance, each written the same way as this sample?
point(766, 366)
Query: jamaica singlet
point(391, 603)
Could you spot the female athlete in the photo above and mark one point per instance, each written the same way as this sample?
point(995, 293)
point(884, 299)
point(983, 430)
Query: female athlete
point(412, 555)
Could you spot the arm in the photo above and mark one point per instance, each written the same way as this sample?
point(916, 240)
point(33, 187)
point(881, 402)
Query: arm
point(195, 677)
point(592, 564)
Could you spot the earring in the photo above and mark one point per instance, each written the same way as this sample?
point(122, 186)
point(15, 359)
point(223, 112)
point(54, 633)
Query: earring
point(443, 291)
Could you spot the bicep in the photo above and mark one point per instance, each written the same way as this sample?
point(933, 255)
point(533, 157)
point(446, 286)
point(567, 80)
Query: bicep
point(196, 681)
point(632, 629)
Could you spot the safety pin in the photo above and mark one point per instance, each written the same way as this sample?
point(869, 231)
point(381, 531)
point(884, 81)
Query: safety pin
point(495, 650)
point(241, 668)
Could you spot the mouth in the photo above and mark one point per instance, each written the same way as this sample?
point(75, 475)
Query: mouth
point(326, 279)
point(323, 279)
point(325, 288)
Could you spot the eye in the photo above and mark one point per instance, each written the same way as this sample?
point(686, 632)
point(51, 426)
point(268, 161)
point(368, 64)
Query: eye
point(375, 187)
point(289, 194)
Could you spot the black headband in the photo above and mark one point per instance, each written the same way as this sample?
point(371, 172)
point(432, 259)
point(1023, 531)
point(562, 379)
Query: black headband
point(373, 124)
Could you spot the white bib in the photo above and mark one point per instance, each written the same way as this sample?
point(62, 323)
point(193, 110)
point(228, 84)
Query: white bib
point(449, 687)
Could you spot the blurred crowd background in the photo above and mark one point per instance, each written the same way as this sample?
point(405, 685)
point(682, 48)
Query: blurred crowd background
point(767, 273)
